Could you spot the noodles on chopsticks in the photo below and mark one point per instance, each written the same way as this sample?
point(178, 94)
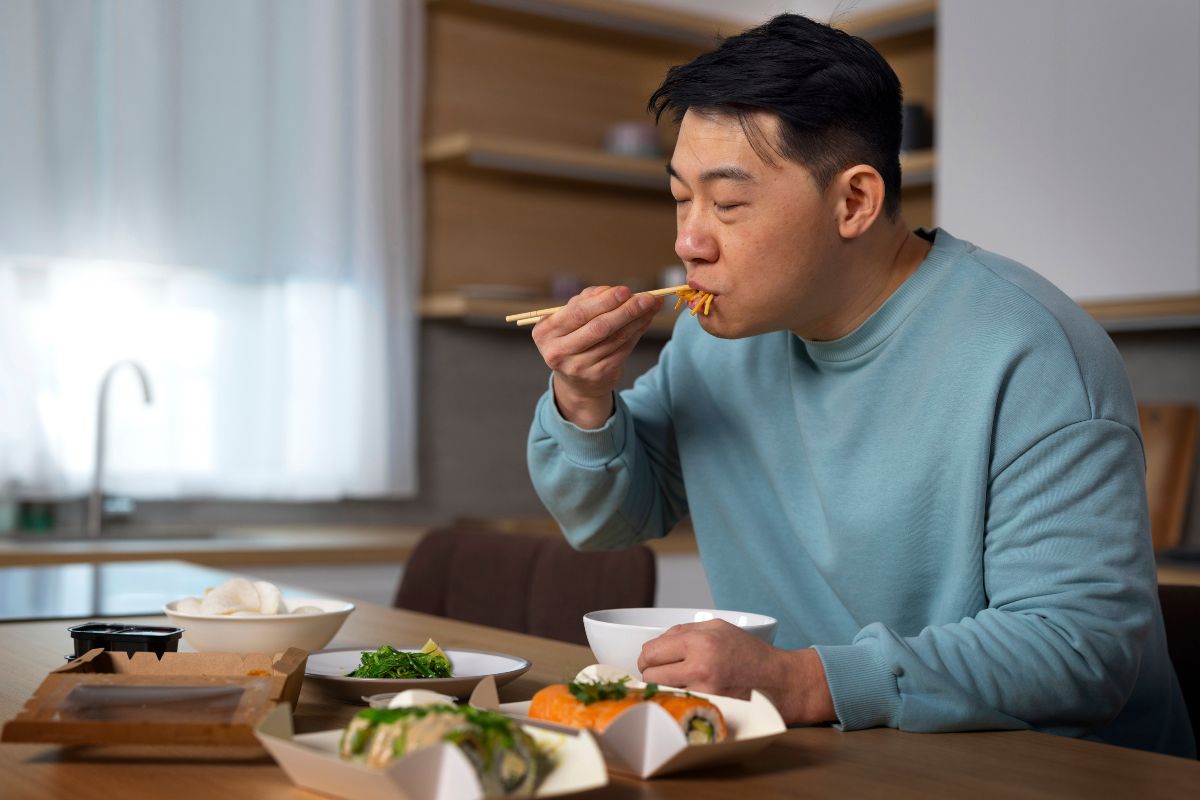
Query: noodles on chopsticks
point(696, 300)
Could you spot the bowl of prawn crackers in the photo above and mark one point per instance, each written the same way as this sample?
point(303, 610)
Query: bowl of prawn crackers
point(244, 616)
point(647, 730)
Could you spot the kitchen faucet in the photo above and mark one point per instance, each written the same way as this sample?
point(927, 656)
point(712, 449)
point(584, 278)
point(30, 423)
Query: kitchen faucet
point(95, 510)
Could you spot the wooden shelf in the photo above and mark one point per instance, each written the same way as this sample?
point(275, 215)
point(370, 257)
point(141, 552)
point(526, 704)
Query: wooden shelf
point(566, 162)
point(917, 168)
point(1151, 313)
point(516, 156)
point(454, 305)
point(646, 22)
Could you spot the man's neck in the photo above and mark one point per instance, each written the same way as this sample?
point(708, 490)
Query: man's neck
point(869, 278)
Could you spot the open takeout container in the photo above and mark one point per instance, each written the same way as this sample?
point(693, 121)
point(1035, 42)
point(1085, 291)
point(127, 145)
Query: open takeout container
point(312, 762)
point(647, 742)
point(115, 698)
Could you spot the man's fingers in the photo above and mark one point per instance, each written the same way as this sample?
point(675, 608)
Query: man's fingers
point(591, 349)
point(621, 342)
point(660, 651)
point(581, 309)
point(615, 318)
point(676, 674)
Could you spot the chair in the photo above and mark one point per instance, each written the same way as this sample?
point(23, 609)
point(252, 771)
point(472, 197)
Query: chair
point(531, 583)
point(1169, 433)
point(1181, 618)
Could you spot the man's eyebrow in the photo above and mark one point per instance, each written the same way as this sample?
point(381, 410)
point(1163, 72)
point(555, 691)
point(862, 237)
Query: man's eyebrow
point(727, 173)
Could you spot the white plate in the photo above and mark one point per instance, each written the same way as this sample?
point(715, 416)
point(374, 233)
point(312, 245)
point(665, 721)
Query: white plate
point(328, 668)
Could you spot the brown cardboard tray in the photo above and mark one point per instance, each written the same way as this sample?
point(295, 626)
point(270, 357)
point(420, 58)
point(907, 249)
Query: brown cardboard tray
point(114, 698)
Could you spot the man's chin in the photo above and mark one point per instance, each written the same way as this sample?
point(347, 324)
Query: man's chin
point(718, 327)
point(724, 329)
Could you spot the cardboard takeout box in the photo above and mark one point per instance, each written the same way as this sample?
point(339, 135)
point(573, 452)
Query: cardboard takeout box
point(647, 742)
point(114, 698)
point(312, 762)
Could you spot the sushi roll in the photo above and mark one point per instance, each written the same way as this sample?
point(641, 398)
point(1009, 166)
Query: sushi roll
point(702, 722)
point(596, 705)
point(356, 738)
point(507, 759)
point(557, 703)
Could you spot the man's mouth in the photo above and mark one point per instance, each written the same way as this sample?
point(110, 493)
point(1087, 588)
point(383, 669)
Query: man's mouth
point(697, 299)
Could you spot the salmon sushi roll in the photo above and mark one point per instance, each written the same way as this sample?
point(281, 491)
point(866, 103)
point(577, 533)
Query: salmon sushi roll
point(702, 722)
point(596, 705)
point(556, 703)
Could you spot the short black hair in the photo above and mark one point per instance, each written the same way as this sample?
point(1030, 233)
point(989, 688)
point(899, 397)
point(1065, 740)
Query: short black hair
point(837, 99)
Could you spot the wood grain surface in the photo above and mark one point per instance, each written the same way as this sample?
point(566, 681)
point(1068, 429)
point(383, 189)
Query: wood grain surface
point(805, 762)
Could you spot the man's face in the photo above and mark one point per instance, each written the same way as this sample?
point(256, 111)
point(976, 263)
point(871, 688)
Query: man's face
point(760, 236)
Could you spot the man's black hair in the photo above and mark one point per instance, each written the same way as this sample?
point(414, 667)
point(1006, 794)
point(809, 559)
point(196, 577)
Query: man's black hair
point(837, 99)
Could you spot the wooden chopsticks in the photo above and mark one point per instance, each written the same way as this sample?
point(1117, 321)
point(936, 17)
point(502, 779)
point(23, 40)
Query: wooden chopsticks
point(534, 317)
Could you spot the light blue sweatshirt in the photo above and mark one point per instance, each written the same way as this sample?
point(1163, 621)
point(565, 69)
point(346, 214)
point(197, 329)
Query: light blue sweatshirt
point(948, 503)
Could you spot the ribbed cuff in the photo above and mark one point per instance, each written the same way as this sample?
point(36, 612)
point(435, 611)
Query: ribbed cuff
point(587, 448)
point(864, 688)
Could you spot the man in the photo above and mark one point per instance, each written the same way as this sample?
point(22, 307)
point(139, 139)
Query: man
point(921, 457)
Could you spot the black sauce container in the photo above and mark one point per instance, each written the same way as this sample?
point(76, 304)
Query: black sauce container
point(124, 638)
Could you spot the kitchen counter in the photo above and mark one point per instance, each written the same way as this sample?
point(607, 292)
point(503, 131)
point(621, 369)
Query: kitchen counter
point(274, 545)
point(226, 546)
point(112, 589)
point(324, 545)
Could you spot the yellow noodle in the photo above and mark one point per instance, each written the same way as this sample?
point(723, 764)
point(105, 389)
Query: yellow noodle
point(703, 300)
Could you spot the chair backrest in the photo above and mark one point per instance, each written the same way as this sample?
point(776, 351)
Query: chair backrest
point(1169, 432)
point(1181, 618)
point(522, 582)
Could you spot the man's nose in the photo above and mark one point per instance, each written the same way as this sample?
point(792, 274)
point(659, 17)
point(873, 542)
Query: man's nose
point(694, 242)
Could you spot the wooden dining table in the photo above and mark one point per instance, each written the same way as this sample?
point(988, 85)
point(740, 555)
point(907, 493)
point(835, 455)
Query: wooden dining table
point(804, 762)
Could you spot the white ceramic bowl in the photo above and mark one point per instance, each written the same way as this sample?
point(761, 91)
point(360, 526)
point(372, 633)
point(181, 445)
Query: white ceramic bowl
point(617, 634)
point(269, 633)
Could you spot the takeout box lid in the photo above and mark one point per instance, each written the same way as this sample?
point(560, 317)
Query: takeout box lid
point(257, 682)
point(647, 742)
point(312, 762)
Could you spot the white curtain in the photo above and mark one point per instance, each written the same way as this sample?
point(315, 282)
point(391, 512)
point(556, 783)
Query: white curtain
point(228, 192)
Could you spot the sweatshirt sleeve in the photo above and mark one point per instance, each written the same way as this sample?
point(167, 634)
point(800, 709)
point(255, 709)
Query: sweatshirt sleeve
point(616, 485)
point(1070, 584)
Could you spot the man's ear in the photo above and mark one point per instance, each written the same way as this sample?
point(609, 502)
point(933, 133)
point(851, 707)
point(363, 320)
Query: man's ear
point(859, 200)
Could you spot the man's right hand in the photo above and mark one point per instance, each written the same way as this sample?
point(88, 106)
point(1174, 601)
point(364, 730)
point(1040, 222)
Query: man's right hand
point(587, 343)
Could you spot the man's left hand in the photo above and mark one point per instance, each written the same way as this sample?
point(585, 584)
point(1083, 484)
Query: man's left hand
point(717, 657)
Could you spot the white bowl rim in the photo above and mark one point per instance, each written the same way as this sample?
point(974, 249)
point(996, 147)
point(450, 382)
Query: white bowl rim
point(170, 610)
point(768, 620)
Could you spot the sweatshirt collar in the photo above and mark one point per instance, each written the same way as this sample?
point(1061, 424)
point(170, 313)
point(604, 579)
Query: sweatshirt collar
point(888, 317)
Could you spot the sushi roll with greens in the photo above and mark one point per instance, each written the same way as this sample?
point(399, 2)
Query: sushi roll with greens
point(506, 758)
point(597, 704)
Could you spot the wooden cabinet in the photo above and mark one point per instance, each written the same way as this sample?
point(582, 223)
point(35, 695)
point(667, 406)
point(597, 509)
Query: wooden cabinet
point(906, 35)
point(519, 187)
